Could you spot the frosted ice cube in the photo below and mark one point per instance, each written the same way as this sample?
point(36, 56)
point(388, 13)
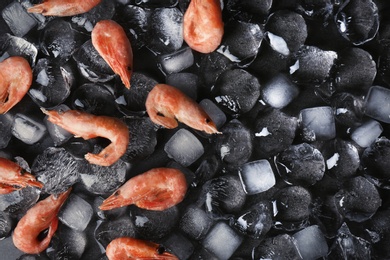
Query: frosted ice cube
point(311, 243)
point(27, 129)
point(257, 176)
point(184, 147)
point(76, 213)
point(17, 19)
point(177, 61)
point(185, 81)
point(222, 241)
point(215, 113)
point(279, 91)
point(318, 123)
point(57, 133)
point(179, 245)
point(367, 133)
point(195, 222)
point(5, 129)
point(377, 104)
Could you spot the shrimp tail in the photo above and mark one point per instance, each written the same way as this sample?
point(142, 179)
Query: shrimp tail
point(113, 202)
point(38, 9)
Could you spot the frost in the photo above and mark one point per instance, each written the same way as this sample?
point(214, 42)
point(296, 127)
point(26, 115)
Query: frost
point(332, 161)
point(263, 132)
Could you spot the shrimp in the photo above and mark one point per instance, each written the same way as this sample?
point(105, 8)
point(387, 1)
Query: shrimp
point(203, 27)
point(11, 174)
point(131, 248)
point(15, 80)
point(41, 216)
point(89, 126)
point(111, 42)
point(63, 7)
point(165, 104)
point(156, 189)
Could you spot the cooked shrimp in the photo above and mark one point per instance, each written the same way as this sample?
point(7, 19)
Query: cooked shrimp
point(41, 216)
point(131, 248)
point(15, 80)
point(111, 42)
point(63, 7)
point(11, 174)
point(203, 26)
point(89, 126)
point(156, 189)
point(165, 104)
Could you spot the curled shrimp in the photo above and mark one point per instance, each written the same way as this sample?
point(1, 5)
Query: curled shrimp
point(11, 174)
point(203, 26)
point(89, 126)
point(15, 80)
point(41, 216)
point(63, 7)
point(132, 248)
point(111, 42)
point(156, 189)
point(165, 104)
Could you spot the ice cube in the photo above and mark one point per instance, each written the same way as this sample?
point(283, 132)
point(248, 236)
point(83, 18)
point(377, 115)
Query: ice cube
point(184, 147)
point(17, 46)
point(222, 241)
point(195, 222)
point(367, 133)
point(279, 91)
point(186, 82)
point(76, 213)
point(215, 113)
point(377, 104)
point(179, 245)
point(317, 123)
point(67, 244)
point(8, 249)
point(165, 30)
point(110, 229)
point(17, 19)
point(177, 61)
point(27, 129)
point(6, 121)
point(257, 176)
point(19, 201)
point(311, 243)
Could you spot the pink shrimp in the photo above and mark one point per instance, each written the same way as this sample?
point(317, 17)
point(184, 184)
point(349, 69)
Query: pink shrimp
point(41, 216)
point(111, 42)
point(131, 248)
point(165, 104)
point(156, 189)
point(15, 80)
point(63, 7)
point(11, 174)
point(88, 126)
point(203, 27)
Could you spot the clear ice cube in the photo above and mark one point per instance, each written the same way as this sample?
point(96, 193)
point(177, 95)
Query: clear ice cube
point(179, 245)
point(279, 91)
point(367, 133)
point(177, 61)
point(184, 147)
point(76, 213)
point(318, 123)
point(257, 176)
point(311, 243)
point(17, 46)
point(377, 104)
point(17, 19)
point(222, 241)
point(215, 113)
point(28, 129)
